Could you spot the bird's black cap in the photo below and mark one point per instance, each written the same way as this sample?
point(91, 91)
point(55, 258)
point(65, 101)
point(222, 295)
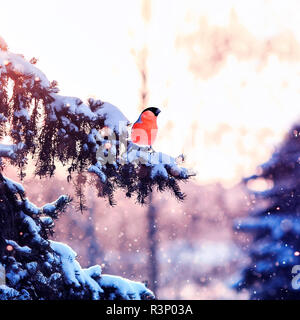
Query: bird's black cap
point(156, 111)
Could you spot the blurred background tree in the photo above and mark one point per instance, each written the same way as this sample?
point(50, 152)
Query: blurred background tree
point(273, 243)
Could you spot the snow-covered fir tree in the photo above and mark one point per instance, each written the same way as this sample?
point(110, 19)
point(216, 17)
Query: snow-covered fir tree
point(91, 141)
point(274, 225)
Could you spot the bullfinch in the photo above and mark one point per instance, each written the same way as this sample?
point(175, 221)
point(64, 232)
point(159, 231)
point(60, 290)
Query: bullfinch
point(144, 130)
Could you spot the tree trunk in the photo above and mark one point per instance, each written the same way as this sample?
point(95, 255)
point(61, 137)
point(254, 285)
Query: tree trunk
point(152, 240)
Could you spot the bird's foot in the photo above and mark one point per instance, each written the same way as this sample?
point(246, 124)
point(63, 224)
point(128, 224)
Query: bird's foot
point(150, 149)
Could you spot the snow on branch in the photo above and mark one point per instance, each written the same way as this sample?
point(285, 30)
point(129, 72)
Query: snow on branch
point(11, 151)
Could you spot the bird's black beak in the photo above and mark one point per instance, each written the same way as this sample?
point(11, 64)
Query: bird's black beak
point(157, 111)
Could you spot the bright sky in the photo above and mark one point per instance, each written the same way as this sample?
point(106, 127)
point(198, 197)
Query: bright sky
point(225, 73)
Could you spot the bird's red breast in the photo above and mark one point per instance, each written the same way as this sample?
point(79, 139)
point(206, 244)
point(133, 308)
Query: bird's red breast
point(144, 131)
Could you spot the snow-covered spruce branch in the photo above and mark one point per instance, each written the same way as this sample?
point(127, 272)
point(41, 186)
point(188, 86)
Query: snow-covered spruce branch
point(80, 135)
point(38, 268)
